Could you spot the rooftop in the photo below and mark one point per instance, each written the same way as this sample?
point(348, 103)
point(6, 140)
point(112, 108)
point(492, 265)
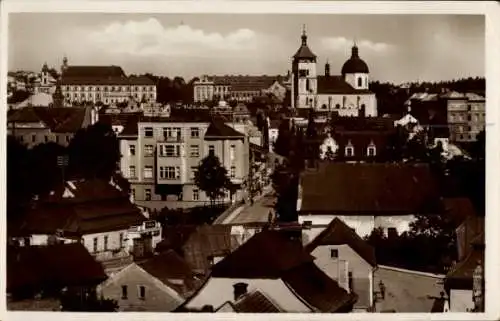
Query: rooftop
point(57, 119)
point(335, 84)
point(369, 188)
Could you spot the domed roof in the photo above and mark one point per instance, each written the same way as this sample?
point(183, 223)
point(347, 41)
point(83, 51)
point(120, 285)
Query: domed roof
point(355, 64)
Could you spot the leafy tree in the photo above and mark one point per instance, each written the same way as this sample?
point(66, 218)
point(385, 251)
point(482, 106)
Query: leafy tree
point(285, 184)
point(94, 152)
point(282, 144)
point(43, 167)
point(212, 178)
point(18, 187)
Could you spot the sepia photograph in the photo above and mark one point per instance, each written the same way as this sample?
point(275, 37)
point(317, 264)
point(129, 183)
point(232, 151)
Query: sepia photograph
point(245, 163)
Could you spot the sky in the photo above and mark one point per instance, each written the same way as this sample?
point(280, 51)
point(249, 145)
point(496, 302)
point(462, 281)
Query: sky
point(397, 48)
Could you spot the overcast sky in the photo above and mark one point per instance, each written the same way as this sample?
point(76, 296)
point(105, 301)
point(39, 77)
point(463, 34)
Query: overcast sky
point(397, 48)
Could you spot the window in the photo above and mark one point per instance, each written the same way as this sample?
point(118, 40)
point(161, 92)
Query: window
point(147, 194)
point(351, 283)
point(148, 131)
point(195, 132)
point(131, 172)
point(148, 150)
point(169, 172)
point(337, 106)
point(142, 292)
point(95, 244)
point(196, 194)
point(33, 138)
point(124, 292)
point(232, 153)
point(194, 151)
point(46, 138)
point(193, 172)
point(360, 82)
point(334, 253)
point(211, 150)
point(106, 238)
point(167, 132)
point(121, 240)
point(308, 86)
point(131, 150)
point(371, 151)
point(349, 151)
point(148, 171)
point(233, 172)
point(170, 150)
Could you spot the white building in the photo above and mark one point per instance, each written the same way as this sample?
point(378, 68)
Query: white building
point(347, 94)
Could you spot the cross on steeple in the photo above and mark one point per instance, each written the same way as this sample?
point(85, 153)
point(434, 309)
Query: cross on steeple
point(304, 35)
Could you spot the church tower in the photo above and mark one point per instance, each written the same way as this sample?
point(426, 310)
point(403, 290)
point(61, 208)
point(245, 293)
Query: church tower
point(64, 65)
point(355, 70)
point(58, 97)
point(304, 87)
point(45, 75)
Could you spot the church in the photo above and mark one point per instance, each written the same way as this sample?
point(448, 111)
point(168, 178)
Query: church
point(346, 94)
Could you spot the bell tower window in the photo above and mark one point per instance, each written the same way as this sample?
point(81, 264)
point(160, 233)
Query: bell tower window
point(308, 86)
point(360, 82)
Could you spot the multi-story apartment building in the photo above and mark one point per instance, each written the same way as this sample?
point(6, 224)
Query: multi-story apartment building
point(160, 157)
point(466, 115)
point(239, 88)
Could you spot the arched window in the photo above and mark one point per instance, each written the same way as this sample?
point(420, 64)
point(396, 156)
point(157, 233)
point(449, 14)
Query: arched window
point(324, 106)
point(360, 82)
point(337, 106)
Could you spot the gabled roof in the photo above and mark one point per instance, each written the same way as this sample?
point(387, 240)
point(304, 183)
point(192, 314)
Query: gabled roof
point(370, 189)
point(267, 254)
point(217, 130)
point(101, 75)
point(337, 85)
point(57, 119)
point(254, 302)
point(55, 265)
point(167, 266)
point(338, 233)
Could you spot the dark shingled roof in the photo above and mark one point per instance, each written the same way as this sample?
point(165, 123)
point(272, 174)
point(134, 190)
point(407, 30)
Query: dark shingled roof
point(266, 255)
point(337, 85)
point(256, 302)
point(49, 266)
point(354, 64)
point(459, 209)
point(57, 119)
point(96, 207)
point(167, 265)
point(217, 130)
point(370, 189)
point(338, 233)
point(101, 75)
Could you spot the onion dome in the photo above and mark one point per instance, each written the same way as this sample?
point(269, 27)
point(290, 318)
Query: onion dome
point(355, 64)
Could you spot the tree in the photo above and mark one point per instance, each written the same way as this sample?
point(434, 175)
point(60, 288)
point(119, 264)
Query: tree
point(18, 187)
point(312, 143)
point(285, 184)
point(94, 152)
point(45, 174)
point(211, 177)
point(282, 144)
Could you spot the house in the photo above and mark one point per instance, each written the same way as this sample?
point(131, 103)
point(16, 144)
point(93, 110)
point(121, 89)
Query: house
point(465, 282)
point(161, 156)
point(466, 114)
point(346, 258)
point(35, 125)
point(366, 196)
point(95, 213)
point(277, 266)
point(158, 284)
point(208, 245)
point(346, 94)
point(356, 139)
point(43, 271)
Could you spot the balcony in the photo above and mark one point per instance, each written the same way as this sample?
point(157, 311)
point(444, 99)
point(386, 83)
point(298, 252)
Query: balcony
point(172, 139)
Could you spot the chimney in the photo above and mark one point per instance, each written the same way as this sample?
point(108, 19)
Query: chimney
point(240, 289)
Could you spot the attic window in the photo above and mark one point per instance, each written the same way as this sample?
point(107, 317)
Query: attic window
point(349, 151)
point(371, 151)
point(334, 253)
point(124, 292)
point(142, 292)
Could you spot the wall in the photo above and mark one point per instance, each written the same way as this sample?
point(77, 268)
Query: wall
point(351, 107)
point(361, 271)
point(113, 244)
point(219, 290)
point(158, 298)
point(352, 79)
point(461, 300)
point(363, 225)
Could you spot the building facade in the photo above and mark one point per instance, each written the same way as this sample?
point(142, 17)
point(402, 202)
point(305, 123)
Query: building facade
point(347, 94)
point(161, 157)
point(105, 84)
point(239, 88)
point(466, 116)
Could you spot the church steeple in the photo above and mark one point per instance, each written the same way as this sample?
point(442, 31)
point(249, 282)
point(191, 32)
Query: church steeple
point(354, 50)
point(304, 35)
point(327, 68)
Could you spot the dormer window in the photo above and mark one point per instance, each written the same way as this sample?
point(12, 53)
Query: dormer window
point(349, 151)
point(371, 150)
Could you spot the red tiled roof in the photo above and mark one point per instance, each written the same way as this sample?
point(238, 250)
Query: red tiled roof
point(55, 265)
point(338, 233)
point(337, 85)
point(57, 119)
point(370, 189)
